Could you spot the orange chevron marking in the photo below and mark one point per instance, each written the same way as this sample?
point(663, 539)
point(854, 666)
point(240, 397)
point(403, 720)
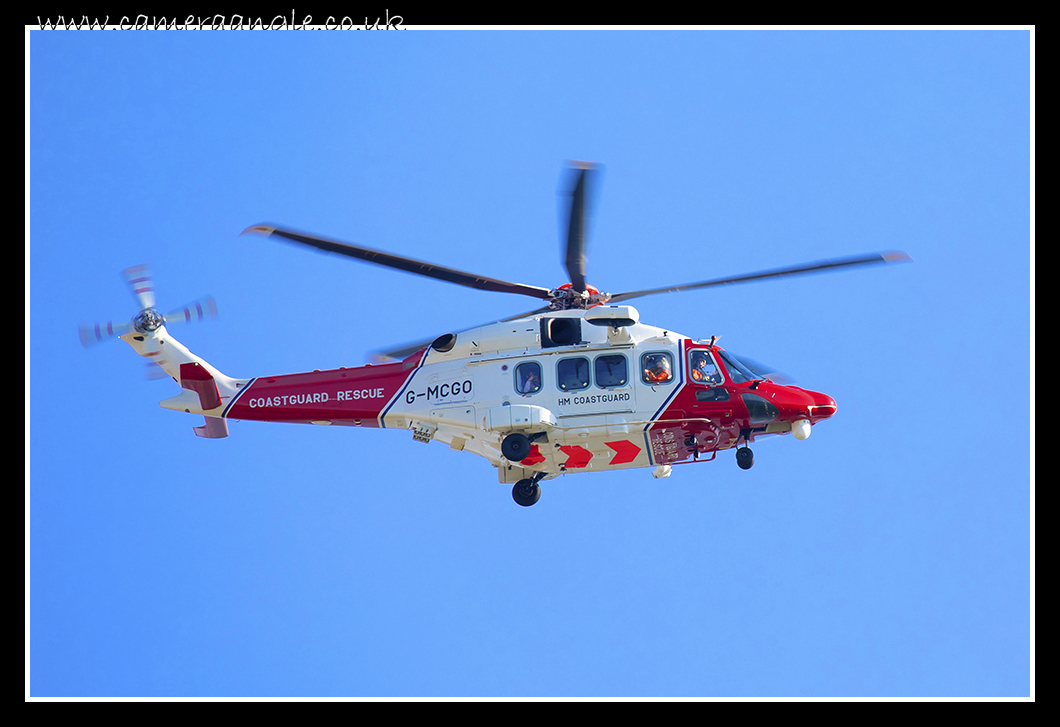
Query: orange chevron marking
point(625, 451)
point(535, 456)
point(576, 456)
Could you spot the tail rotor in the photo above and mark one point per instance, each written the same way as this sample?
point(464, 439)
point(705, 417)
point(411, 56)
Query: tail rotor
point(141, 284)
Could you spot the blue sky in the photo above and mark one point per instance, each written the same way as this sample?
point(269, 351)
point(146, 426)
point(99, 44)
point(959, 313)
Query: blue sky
point(889, 555)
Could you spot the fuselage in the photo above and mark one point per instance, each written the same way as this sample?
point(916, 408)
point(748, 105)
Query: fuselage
point(592, 397)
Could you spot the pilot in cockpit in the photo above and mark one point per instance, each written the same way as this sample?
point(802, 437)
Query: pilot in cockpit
point(704, 371)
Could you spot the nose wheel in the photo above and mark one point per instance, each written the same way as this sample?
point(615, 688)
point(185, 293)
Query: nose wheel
point(745, 458)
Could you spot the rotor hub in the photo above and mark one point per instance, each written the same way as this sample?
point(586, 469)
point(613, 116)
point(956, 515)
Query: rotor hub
point(565, 297)
point(148, 320)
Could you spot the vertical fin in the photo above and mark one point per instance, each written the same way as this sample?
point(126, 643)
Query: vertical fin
point(196, 378)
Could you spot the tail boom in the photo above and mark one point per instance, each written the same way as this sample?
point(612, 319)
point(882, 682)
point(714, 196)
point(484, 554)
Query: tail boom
point(357, 396)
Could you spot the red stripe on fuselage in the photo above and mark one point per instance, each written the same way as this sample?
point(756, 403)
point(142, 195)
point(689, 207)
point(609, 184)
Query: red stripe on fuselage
point(354, 396)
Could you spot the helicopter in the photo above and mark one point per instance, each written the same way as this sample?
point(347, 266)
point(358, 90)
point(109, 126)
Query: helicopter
point(579, 384)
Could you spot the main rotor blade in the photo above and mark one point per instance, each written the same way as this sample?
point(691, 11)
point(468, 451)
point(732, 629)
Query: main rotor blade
point(397, 353)
point(817, 267)
point(575, 258)
point(404, 263)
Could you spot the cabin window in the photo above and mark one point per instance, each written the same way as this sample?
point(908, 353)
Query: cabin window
point(528, 378)
point(657, 368)
point(611, 371)
point(572, 373)
point(703, 369)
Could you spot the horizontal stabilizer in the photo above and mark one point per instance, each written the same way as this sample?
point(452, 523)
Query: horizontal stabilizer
point(214, 428)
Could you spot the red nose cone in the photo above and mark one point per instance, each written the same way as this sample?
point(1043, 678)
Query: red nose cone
point(823, 405)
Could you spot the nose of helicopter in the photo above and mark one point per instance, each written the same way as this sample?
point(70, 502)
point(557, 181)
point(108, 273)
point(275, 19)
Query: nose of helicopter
point(794, 404)
point(823, 406)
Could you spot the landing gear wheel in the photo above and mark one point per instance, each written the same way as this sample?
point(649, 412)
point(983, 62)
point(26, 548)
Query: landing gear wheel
point(745, 458)
point(516, 447)
point(526, 492)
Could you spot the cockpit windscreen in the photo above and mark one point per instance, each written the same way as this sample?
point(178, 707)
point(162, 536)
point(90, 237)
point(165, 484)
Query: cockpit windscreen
point(742, 368)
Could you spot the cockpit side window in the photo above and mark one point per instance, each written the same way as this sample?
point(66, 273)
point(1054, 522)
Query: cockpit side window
point(528, 378)
point(657, 368)
point(703, 369)
point(572, 374)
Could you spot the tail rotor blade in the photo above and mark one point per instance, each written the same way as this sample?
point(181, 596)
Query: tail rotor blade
point(154, 372)
point(197, 310)
point(100, 332)
point(141, 285)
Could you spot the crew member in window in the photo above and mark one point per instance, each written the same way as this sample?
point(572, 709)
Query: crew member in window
point(530, 382)
point(657, 369)
point(703, 369)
